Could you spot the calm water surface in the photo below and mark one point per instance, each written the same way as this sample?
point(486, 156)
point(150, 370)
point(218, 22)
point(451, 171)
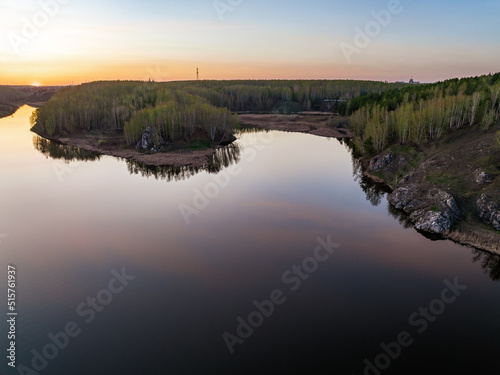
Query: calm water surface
point(67, 225)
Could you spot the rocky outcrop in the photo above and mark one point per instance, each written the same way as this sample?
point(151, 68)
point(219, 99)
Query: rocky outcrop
point(381, 161)
point(431, 210)
point(385, 166)
point(481, 178)
point(489, 211)
point(432, 222)
point(147, 142)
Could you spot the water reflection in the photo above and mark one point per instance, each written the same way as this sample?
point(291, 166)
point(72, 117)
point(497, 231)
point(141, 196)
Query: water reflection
point(374, 192)
point(223, 158)
point(400, 216)
point(63, 152)
point(490, 263)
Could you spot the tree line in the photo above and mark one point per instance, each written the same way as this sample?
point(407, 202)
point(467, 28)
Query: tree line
point(177, 110)
point(380, 113)
point(425, 112)
point(263, 95)
point(132, 107)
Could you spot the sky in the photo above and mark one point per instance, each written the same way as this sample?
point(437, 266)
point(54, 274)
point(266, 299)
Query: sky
point(60, 42)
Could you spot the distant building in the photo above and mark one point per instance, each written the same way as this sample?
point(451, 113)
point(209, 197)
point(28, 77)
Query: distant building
point(412, 82)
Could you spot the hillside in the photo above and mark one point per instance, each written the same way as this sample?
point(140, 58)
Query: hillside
point(438, 149)
point(160, 118)
point(13, 97)
point(435, 146)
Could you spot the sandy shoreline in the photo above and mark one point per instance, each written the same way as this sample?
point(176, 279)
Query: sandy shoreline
point(315, 123)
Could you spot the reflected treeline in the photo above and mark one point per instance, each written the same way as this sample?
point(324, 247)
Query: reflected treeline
point(374, 192)
point(490, 263)
point(59, 151)
point(401, 217)
point(250, 129)
point(223, 158)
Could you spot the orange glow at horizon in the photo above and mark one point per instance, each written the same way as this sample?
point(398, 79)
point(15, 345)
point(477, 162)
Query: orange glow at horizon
point(74, 73)
point(169, 40)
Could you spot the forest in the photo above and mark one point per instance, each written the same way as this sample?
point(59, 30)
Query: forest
point(131, 108)
point(13, 97)
point(9, 99)
point(183, 110)
point(421, 113)
point(380, 114)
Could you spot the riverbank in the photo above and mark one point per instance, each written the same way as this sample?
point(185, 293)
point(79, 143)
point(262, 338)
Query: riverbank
point(198, 153)
point(112, 144)
point(448, 189)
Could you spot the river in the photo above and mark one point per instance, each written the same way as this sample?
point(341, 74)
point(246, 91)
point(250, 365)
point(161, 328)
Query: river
point(278, 259)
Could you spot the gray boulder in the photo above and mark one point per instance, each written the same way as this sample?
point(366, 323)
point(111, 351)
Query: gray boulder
point(481, 178)
point(432, 222)
point(489, 211)
point(432, 211)
point(381, 162)
point(147, 142)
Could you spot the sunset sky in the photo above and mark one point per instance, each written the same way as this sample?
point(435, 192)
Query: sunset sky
point(74, 41)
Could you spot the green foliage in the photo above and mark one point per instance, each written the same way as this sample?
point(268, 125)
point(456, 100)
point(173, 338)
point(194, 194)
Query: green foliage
point(173, 121)
point(379, 112)
point(421, 113)
point(368, 147)
point(497, 141)
point(489, 119)
point(11, 95)
point(177, 110)
point(199, 144)
point(132, 107)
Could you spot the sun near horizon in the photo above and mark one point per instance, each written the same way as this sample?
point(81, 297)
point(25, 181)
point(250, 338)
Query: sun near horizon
point(63, 42)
